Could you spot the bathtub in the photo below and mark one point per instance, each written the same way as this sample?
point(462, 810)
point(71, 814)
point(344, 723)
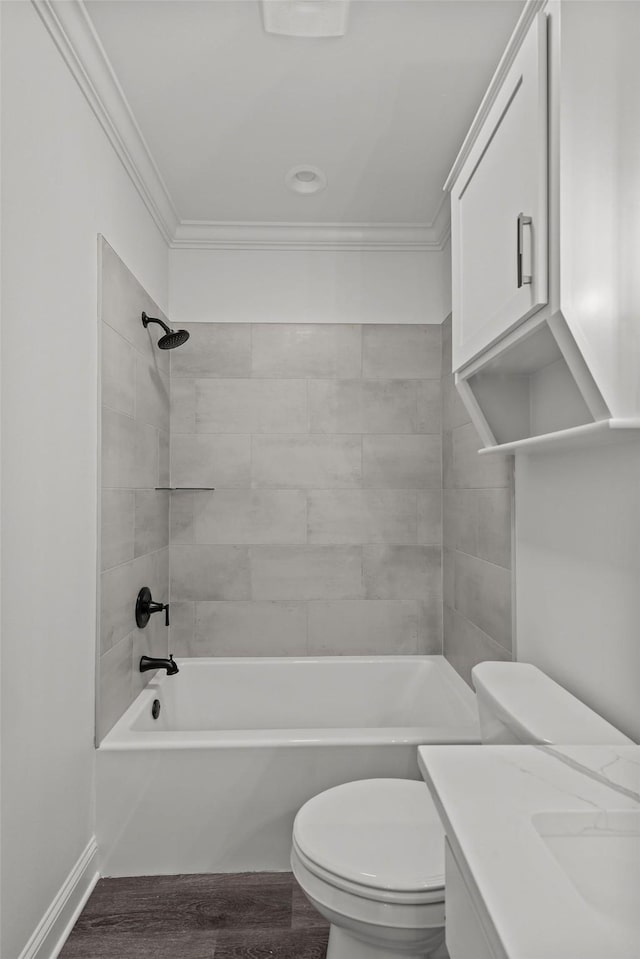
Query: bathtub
point(213, 784)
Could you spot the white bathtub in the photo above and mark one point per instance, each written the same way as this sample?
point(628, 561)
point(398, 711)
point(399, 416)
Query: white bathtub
point(213, 784)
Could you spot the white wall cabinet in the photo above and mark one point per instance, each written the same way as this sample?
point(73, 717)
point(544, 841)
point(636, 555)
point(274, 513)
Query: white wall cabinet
point(556, 138)
point(499, 208)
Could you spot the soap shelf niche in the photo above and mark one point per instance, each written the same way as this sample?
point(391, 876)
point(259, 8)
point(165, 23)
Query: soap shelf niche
point(534, 391)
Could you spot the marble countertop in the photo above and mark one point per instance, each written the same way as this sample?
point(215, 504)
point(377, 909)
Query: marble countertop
point(486, 797)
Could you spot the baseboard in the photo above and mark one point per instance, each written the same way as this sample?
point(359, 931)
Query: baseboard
point(58, 921)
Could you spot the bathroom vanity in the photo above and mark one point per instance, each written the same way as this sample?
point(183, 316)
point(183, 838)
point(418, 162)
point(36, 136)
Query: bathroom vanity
point(542, 849)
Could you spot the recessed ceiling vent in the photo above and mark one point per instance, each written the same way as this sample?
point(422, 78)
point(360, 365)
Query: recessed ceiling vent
point(306, 18)
point(306, 179)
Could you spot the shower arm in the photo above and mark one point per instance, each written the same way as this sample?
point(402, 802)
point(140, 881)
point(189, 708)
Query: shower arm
point(152, 319)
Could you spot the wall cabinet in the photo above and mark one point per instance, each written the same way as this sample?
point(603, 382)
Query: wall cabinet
point(499, 208)
point(545, 233)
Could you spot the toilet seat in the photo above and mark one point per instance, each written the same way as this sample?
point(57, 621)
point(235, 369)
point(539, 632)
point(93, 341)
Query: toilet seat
point(379, 839)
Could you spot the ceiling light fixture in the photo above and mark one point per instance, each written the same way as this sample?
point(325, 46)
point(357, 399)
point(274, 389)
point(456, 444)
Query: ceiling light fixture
point(306, 18)
point(305, 179)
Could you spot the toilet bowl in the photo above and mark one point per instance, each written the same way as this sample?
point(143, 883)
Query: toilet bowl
point(369, 855)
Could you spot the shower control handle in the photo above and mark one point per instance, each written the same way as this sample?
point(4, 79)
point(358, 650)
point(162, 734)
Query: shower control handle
point(145, 607)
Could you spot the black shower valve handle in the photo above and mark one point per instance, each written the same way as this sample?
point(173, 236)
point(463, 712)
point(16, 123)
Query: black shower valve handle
point(145, 607)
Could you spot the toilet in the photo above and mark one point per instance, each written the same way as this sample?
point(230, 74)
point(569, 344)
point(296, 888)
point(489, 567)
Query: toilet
point(369, 855)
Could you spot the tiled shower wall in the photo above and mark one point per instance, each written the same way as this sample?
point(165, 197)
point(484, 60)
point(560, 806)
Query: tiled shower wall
point(477, 512)
point(135, 460)
point(323, 535)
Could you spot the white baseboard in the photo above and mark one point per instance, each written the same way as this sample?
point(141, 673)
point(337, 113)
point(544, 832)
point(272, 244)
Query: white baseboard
point(58, 921)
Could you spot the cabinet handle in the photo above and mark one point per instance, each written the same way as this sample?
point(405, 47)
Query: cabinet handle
point(522, 221)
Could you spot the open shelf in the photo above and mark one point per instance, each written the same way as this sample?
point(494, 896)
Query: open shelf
point(533, 392)
point(528, 390)
point(591, 434)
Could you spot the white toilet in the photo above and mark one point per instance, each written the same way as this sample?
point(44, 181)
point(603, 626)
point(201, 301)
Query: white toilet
point(369, 855)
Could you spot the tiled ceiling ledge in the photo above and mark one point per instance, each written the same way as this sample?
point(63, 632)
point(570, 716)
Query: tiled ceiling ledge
point(74, 35)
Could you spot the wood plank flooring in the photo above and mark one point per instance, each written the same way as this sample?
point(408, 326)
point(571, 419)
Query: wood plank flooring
point(256, 915)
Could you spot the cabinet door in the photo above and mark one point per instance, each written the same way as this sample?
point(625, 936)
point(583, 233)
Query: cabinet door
point(465, 935)
point(499, 208)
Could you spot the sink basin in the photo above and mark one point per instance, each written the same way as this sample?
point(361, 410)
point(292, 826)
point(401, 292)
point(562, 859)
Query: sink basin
point(600, 854)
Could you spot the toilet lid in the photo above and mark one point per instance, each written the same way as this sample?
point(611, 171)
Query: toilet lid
point(379, 833)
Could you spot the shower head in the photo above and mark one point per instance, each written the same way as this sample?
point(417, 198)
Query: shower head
point(171, 338)
point(175, 338)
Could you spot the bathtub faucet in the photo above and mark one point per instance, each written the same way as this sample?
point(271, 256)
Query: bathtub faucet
point(149, 662)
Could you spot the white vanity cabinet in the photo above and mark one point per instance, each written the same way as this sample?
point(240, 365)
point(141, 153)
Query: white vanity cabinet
point(499, 208)
point(465, 933)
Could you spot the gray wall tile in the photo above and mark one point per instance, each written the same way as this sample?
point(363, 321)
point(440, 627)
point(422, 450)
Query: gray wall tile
point(250, 516)
point(303, 462)
point(401, 572)
point(401, 351)
point(210, 573)
point(476, 537)
point(251, 406)
point(471, 471)
point(118, 372)
point(447, 337)
point(307, 350)
point(210, 459)
point(465, 645)
point(362, 516)
point(429, 406)
point(119, 588)
point(309, 513)
point(454, 412)
point(151, 521)
point(430, 625)
point(152, 394)
point(478, 522)
point(182, 629)
point(363, 406)
point(482, 593)
point(306, 572)
point(429, 508)
point(181, 518)
point(448, 578)
point(118, 449)
point(214, 349)
point(361, 627)
point(183, 406)
point(122, 301)
point(129, 452)
point(135, 459)
point(248, 629)
point(163, 458)
point(117, 527)
point(401, 462)
point(116, 683)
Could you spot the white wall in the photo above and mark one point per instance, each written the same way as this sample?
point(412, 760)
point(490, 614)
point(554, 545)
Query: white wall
point(61, 185)
point(272, 286)
point(578, 575)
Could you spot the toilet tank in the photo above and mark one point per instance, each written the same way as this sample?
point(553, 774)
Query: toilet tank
point(519, 704)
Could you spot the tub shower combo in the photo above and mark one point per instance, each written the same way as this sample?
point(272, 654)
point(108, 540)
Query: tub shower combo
point(324, 536)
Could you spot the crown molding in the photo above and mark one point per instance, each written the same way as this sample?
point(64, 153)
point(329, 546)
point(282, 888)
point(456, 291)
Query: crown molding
point(74, 35)
point(401, 237)
point(528, 15)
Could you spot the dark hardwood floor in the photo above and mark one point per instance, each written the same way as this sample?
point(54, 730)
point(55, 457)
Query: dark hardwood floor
point(254, 915)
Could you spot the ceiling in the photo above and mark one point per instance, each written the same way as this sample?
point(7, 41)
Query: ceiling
point(227, 109)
